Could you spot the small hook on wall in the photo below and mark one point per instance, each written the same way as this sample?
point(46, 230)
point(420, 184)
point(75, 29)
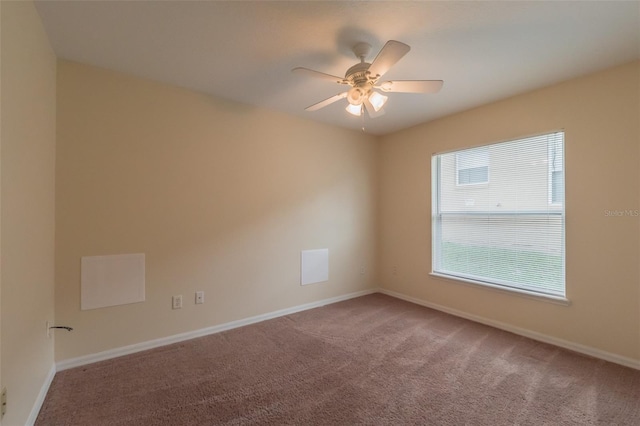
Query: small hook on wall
point(63, 327)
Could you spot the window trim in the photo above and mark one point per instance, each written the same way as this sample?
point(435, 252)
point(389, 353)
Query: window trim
point(558, 300)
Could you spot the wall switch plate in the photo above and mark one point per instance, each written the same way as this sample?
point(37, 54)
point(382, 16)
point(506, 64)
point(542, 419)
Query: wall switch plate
point(176, 302)
point(199, 297)
point(48, 329)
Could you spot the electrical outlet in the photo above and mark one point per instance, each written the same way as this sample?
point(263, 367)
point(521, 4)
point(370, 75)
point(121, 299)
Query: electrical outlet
point(362, 270)
point(199, 297)
point(176, 302)
point(48, 329)
point(3, 401)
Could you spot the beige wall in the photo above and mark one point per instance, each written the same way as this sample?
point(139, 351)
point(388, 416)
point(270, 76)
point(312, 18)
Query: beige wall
point(27, 235)
point(599, 114)
point(221, 197)
point(1, 382)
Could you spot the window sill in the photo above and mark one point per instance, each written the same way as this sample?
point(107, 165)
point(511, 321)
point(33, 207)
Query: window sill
point(558, 300)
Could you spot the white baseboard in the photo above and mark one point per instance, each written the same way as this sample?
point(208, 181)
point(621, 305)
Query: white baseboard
point(143, 346)
point(576, 347)
point(138, 347)
point(35, 410)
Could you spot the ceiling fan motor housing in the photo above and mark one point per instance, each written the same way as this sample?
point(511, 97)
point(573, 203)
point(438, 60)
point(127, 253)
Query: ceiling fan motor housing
point(358, 77)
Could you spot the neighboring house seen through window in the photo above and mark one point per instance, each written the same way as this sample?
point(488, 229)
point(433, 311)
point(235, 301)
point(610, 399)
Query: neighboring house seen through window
point(556, 171)
point(472, 166)
point(509, 231)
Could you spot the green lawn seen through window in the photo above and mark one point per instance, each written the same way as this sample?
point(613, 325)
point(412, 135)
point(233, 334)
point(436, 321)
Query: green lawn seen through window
point(518, 267)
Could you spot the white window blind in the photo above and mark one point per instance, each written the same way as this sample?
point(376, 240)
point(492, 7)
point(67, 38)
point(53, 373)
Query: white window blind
point(510, 231)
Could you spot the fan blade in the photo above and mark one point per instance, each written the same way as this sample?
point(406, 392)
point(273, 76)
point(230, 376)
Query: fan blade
point(412, 86)
point(318, 74)
point(326, 102)
point(391, 53)
point(371, 110)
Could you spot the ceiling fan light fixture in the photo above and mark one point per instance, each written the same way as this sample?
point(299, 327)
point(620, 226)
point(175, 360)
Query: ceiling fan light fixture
point(377, 100)
point(354, 109)
point(356, 96)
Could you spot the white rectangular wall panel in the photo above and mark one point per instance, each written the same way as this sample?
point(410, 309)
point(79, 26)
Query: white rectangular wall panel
point(111, 280)
point(315, 266)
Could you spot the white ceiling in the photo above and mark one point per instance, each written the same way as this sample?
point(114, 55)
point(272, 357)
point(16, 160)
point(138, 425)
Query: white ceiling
point(244, 51)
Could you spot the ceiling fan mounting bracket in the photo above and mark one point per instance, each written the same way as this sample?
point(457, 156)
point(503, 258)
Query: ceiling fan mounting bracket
point(362, 50)
point(359, 75)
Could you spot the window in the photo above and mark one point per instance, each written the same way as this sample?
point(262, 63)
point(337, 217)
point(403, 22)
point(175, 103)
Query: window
point(472, 166)
point(509, 232)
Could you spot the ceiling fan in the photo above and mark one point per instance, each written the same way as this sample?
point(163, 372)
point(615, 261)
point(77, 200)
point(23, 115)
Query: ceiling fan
point(363, 77)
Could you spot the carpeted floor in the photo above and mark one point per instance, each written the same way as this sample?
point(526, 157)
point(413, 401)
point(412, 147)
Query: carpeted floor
point(373, 360)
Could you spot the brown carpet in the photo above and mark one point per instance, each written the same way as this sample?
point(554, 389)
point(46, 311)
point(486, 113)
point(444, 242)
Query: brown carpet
point(373, 360)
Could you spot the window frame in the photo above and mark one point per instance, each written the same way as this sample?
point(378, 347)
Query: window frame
point(495, 284)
